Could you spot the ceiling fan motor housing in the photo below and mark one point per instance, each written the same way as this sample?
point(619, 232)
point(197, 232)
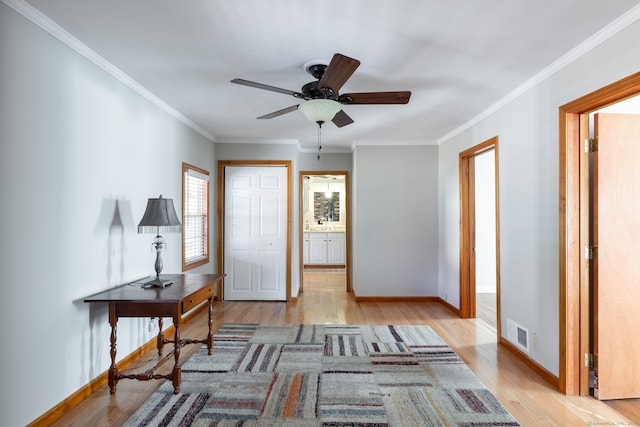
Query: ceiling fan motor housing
point(316, 70)
point(311, 91)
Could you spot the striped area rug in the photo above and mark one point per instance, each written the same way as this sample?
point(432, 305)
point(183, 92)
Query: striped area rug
point(325, 375)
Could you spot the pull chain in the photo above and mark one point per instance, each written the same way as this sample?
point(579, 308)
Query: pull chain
point(319, 139)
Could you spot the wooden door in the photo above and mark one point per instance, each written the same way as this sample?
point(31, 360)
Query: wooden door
point(255, 253)
point(617, 266)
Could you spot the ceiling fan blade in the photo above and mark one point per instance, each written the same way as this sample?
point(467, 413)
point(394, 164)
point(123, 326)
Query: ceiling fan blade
point(401, 97)
point(279, 112)
point(342, 119)
point(267, 87)
point(338, 72)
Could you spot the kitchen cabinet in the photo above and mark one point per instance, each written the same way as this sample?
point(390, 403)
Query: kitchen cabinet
point(318, 248)
point(322, 248)
point(305, 249)
point(336, 248)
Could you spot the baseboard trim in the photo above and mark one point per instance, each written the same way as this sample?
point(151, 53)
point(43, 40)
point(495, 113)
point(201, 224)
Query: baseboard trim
point(538, 369)
point(450, 307)
point(324, 266)
point(396, 299)
point(101, 380)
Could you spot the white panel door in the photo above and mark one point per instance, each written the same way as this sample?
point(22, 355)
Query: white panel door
point(255, 233)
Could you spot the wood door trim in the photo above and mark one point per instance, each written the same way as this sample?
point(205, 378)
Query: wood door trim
point(467, 228)
point(573, 280)
point(347, 213)
point(220, 211)
point(467, 236)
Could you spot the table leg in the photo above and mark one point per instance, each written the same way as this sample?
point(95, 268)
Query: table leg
point(160, 338)
point(210, 334)
point(176, 375)
point(113, 369)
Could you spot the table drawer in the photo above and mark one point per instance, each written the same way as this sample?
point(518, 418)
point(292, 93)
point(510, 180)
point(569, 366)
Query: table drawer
point(196, 298)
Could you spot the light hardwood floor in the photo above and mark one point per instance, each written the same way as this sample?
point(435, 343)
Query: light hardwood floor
point(486, 308)
point(527, 396)
point(486, 311)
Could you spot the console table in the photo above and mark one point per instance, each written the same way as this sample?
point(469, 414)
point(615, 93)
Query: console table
point(131, 300)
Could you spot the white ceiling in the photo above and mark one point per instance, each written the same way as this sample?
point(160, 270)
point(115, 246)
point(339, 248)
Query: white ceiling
point(457, 57)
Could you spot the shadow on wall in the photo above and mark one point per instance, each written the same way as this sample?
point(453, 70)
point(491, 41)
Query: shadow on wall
point(115, 217)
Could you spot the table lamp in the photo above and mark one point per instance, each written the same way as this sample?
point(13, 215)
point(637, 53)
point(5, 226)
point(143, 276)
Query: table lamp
point(160, 215)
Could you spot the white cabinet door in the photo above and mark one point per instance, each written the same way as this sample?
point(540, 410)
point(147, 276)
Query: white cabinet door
point(306, 248)
point(318, 248)
point(335, 248)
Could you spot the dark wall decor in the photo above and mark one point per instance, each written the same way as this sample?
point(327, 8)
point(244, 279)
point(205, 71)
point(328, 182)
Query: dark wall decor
point(326, 207)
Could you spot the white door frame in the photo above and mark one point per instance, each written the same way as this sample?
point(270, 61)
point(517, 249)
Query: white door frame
point(221, 208)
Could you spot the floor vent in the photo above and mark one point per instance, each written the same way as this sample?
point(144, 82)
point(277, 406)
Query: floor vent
point(518, 335)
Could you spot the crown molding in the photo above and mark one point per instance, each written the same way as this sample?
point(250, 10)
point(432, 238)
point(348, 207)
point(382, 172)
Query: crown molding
point(601, 36)
point(42, 21)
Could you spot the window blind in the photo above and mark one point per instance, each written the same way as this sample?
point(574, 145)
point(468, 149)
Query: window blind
point(195, 219)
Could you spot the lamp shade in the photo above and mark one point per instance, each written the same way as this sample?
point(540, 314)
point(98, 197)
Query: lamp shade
point(160, 215)
point(320, 110)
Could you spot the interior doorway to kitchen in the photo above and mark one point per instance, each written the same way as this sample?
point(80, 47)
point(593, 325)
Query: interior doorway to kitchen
point(325, 237)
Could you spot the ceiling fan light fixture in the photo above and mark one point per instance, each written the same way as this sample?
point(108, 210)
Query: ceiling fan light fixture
point(320, 110)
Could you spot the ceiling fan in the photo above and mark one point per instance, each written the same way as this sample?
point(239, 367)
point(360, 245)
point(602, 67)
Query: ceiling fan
point(323, 101)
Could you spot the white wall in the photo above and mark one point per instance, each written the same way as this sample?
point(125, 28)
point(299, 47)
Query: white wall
point(527, 128)
point(74, 142)
point(395, 221)
point(327, 162)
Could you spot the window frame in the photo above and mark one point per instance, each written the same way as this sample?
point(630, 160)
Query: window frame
point(203, 259)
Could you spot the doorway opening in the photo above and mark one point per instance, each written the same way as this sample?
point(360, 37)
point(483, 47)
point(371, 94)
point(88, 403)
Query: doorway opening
point(479, 234)
point(324, 230)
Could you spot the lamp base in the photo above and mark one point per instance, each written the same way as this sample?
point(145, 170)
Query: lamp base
point(157, 282)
